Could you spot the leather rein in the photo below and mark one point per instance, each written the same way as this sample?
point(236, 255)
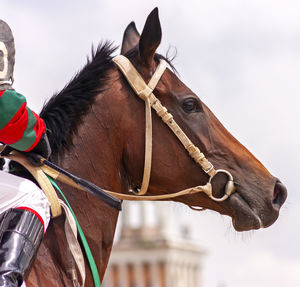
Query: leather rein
point(145, 92)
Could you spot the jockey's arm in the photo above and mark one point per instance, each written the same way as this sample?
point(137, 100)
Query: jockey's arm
point(20, 127)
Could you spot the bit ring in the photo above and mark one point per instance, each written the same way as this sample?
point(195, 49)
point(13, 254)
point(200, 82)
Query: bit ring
point(229, 188)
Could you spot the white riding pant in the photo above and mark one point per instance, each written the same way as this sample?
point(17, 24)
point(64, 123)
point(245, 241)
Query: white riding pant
point(17, 192)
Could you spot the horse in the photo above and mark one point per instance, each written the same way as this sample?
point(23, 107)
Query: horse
point(97, 127)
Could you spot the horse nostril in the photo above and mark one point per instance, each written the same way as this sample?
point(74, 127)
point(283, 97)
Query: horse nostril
point(279, 194)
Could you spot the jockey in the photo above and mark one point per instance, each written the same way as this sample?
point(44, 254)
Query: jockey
point(24, 209)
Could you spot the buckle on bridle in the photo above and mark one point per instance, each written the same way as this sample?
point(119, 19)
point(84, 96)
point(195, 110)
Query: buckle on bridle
point(209, 170)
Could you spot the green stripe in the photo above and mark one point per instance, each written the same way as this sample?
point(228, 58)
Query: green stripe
point(10, 103)
point(85, 244)
point(29, 135)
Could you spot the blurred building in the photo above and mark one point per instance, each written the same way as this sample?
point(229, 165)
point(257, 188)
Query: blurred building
point(151, 253)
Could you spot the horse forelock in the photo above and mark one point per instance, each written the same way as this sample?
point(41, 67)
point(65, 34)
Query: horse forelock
point(170, 56)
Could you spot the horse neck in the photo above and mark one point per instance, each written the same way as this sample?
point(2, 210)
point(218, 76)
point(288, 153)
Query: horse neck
point(97, 152)
point(96, 156)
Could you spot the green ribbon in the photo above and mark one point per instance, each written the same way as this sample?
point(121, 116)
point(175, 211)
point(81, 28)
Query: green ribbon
point(86, 247)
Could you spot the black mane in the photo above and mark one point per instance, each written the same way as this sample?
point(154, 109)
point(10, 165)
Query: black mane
point(64, 111)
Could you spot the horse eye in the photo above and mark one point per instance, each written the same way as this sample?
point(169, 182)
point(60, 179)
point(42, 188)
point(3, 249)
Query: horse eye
point(191, 105)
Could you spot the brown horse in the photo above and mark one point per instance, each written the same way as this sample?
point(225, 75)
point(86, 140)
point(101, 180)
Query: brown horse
point(97, 124)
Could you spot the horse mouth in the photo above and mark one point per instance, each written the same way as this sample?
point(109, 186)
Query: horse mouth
point(244, 217)
point(256, 212)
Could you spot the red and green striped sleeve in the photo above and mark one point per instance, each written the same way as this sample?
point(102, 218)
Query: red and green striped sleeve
point(20, 127)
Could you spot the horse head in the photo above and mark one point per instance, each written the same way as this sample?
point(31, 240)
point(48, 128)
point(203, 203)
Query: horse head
point(97, 125)
point(258, 195)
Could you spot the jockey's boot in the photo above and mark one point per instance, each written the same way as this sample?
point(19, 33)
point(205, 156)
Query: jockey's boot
point(21, 233)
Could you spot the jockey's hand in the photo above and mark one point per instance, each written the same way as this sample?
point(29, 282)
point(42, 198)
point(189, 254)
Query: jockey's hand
point(6, 150)
point(42, 149)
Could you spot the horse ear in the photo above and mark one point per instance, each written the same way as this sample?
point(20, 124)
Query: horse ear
point(150, 38)
point(131, 38)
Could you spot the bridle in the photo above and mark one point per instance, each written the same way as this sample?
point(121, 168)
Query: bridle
point(145, 92)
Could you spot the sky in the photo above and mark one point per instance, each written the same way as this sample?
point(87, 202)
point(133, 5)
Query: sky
point(242, 58)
